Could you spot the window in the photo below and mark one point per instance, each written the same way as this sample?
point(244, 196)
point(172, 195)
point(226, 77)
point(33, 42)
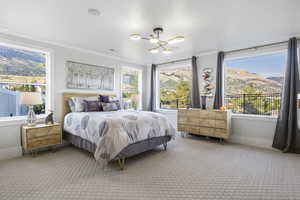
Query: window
point(175, 84)
point(131, 88)
point(253, 85)
point(21, 70)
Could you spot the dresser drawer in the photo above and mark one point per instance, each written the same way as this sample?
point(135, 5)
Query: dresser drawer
point(206, 114)
point(44, 142)
point(221, 133)
point(188, 128)
point(42, 132)
point(221, 115)
point(207, 123)
point(206, 131)
point(221, 124)
point(189, 120)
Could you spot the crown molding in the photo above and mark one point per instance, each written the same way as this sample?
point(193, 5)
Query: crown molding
point(68, 46)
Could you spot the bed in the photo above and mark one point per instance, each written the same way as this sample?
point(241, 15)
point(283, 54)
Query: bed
point(115, 135)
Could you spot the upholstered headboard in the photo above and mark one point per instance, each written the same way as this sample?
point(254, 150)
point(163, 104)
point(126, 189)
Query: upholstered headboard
point(67, 96)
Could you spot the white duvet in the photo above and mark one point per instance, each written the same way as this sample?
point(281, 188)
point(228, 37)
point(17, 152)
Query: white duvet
point(113, 131)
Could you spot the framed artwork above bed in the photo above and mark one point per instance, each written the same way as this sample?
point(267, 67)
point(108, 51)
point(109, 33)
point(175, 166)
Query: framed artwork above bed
point(86, 76)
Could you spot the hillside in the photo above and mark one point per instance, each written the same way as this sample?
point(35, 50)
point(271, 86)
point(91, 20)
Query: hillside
point(169, 78)
point(21, 66)
point(237, 80)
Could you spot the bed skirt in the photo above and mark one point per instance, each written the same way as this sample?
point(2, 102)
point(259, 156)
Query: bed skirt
point(131, 150)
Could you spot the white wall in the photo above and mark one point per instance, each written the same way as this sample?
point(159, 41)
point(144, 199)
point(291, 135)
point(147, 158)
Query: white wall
point(10, 133)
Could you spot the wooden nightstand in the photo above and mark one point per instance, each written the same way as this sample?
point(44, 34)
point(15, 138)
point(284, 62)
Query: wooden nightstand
point(40, 136)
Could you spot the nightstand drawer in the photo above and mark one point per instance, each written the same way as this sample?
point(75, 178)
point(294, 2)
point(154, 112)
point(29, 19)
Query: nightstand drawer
point(42, 132)
point(44, 142)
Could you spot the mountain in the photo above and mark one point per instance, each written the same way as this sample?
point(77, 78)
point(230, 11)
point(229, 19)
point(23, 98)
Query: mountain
point(237, 80)
point(170, 78)
point(279, 79)
point(21, 62)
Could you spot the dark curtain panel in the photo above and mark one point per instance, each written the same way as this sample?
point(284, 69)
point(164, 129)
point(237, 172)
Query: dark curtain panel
point(195, 84)
point(218, 101)
point(287, 134)
point(152, 88)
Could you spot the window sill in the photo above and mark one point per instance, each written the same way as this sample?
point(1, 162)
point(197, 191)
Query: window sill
point(254, 117)
point(166, 110)
point(11, 121)
point(234, 116)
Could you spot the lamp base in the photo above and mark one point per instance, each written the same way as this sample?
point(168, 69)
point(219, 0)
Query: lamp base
point(31, 118)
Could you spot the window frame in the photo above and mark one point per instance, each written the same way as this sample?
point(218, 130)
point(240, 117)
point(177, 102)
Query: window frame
point(49, 77)
point(250, 54)
point(140, 81)
point(176, 65)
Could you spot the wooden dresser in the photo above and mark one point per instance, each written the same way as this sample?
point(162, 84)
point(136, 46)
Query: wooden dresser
point(41, 135)
point(213, 123)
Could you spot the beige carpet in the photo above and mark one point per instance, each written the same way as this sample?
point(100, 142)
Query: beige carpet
point(192, 168)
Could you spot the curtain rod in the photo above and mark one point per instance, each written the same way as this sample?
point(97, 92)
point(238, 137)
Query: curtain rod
point(259, 46)
point(174, 61)
point(232, 51)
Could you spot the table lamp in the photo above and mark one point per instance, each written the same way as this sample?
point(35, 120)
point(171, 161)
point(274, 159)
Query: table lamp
point(30, 99)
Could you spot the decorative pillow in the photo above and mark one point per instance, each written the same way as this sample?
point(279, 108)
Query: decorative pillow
point(76, 104)
point(71, 105)
point(117, 102)
point(104, 99)
point(91, 106)
point(109, 106)
point(113, 99)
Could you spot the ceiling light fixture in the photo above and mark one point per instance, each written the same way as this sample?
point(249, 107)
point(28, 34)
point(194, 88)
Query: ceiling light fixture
point(155, 39)
point(93, 11)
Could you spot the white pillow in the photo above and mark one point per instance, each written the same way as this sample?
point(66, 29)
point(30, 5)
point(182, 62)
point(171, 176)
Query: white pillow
point(78, 103)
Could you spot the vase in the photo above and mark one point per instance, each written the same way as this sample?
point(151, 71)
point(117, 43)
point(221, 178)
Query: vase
point(203, 102)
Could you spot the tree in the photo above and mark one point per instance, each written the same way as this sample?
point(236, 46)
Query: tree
point(179, 95)
point(253, 101)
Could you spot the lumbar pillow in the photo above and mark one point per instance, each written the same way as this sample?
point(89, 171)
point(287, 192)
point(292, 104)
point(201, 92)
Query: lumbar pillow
point(91, 106)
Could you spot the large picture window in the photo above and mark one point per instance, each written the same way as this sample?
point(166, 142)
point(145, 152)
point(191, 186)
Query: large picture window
point(253, 85)
point(175, 85)
point(21, 71)
point(131, 88)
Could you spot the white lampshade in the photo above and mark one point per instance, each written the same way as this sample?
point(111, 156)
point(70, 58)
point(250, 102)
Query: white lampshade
point(298, 96)
point(31, 98)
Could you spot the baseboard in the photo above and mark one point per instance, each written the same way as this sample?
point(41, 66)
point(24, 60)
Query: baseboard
point(11, 152)
point(254, 142)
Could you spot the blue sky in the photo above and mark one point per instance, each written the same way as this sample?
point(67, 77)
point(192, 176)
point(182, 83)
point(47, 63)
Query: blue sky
point(265, 65)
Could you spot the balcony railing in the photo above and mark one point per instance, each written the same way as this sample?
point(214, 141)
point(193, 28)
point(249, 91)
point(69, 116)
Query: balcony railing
point(257, 104)
point(174, 104)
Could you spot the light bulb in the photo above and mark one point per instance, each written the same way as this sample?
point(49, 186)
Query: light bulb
point(167, 51)
point(177, 39)
point(135, 36)
point(153, 40)
point(153, 50)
